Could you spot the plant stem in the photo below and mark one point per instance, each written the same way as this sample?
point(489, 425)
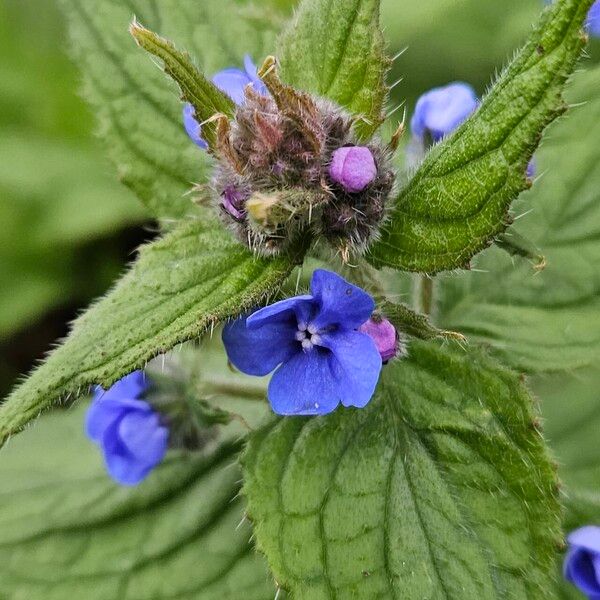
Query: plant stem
point(426, 294)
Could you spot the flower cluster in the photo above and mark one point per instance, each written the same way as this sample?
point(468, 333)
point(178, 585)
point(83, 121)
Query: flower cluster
point(319, 346)
point(290, 163)
point(127, 429)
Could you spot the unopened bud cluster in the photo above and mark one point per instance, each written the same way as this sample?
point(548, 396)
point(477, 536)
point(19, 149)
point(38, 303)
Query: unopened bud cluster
point(290, 165)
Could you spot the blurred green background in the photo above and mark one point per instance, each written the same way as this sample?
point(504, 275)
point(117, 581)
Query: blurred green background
point(67, 226)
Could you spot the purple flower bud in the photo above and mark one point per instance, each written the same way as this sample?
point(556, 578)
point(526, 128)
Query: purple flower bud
point(531, 169)
point(353, 167)
point(582, 563)
point(441, 110)
point(384, 335)
point(232, 200)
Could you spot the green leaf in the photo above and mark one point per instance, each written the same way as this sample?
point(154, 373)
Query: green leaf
point(68, 531)
point(440, 488)
point(203, 95)
point(550, 320)
point(139, 113)
point(459, 198)
point(335, 48)
point(179, 287)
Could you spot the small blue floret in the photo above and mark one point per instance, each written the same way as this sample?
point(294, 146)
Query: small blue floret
point(312, 343)
point(127, 429)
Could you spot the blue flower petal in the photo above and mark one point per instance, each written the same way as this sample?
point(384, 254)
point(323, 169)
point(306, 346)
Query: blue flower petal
point(586, 537)
point(123, 465)
point(579, 569)
point(355, 365)
point(345, 371)
point(192, 127)
point(258, 351)
point(103, 412)
point(232, 82)
point(304, 385)
point(252, 72)
point(145, 438)
point(340, 302)
point(300, 306)
point(130, 387)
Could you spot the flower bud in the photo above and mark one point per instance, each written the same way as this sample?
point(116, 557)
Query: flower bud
point(353, 167)
point(384, 335)
point(232, 201)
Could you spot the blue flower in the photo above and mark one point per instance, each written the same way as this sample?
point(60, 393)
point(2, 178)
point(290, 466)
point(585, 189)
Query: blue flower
point(441, 110)
point(231, 81)
point(582, 563)
point(127, 429)
point(321, 360)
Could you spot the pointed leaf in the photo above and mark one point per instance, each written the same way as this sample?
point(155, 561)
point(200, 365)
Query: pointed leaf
point(203, 95)
point(335, 48)
point(440, 488)
point(180, 287)
point(458, 200)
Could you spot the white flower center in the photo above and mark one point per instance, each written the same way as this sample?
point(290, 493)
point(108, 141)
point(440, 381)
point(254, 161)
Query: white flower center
point(308, 336)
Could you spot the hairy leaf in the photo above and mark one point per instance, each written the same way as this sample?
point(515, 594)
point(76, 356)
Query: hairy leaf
point(139, 113)
point(179, 287)
point(440, 488)
point(548, 320)
point(68, 531)
point(459, 198)
point(335, 48)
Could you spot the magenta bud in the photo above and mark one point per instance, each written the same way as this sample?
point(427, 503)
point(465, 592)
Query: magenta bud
point(353, 167)
point(384, 335)
point(232, 201)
